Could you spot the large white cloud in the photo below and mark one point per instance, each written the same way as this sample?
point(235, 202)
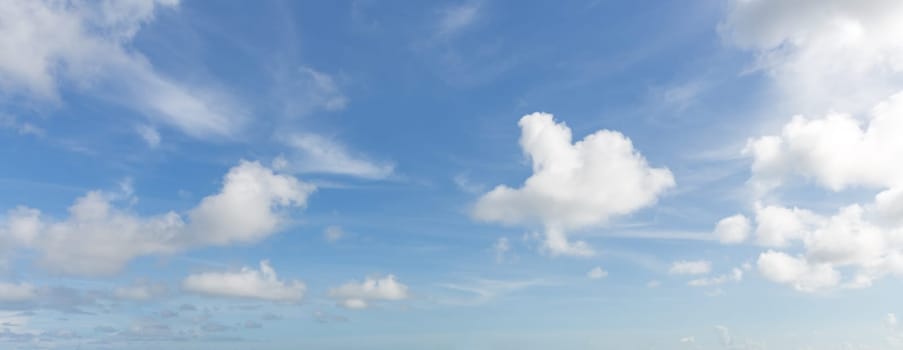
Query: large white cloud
point(837, 151)
point(261, 284)
point(858, 243)
point(573, 185)
point(822, 55)
point(359, 295)
point(45, 44)
point(97, 238)
point(841, 62)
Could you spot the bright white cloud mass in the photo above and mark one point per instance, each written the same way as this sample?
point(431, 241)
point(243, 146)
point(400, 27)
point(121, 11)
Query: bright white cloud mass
point(842, 58)
point(574, 185)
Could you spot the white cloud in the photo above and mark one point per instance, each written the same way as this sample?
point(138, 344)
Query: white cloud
point(85, 44)
point(777, 226)
point(828, 58)
point(97, 238)
point(261, 284)
point(141, 290)
point(797, 272)
point(683, 267)
point(333, 234)
point(733, 229)
point(573, 185)
point(317, 154)
point(17, 292)
point(837, 151)
point(853, 237)
point(358, 295)
point(736, 275)
point(822, 55)
point(596, 273)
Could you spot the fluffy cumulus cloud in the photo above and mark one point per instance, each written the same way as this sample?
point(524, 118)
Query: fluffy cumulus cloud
point(839, 64)
point(47, 44)
point(732, 229)
point(261, 284)
point(835, 153)
point(822, 55)
point(99, 238)
point(359, 295)
point(797, 271)
point(684, 267)
point(574, 185)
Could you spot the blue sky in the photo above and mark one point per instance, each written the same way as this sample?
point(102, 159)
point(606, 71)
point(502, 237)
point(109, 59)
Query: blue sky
point(452, 175)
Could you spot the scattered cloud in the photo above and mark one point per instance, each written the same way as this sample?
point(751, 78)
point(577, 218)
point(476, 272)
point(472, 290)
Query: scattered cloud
point(359, 295)
point(251, 283)
point(98, 238)
point(837, 152)
point(574, 185)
